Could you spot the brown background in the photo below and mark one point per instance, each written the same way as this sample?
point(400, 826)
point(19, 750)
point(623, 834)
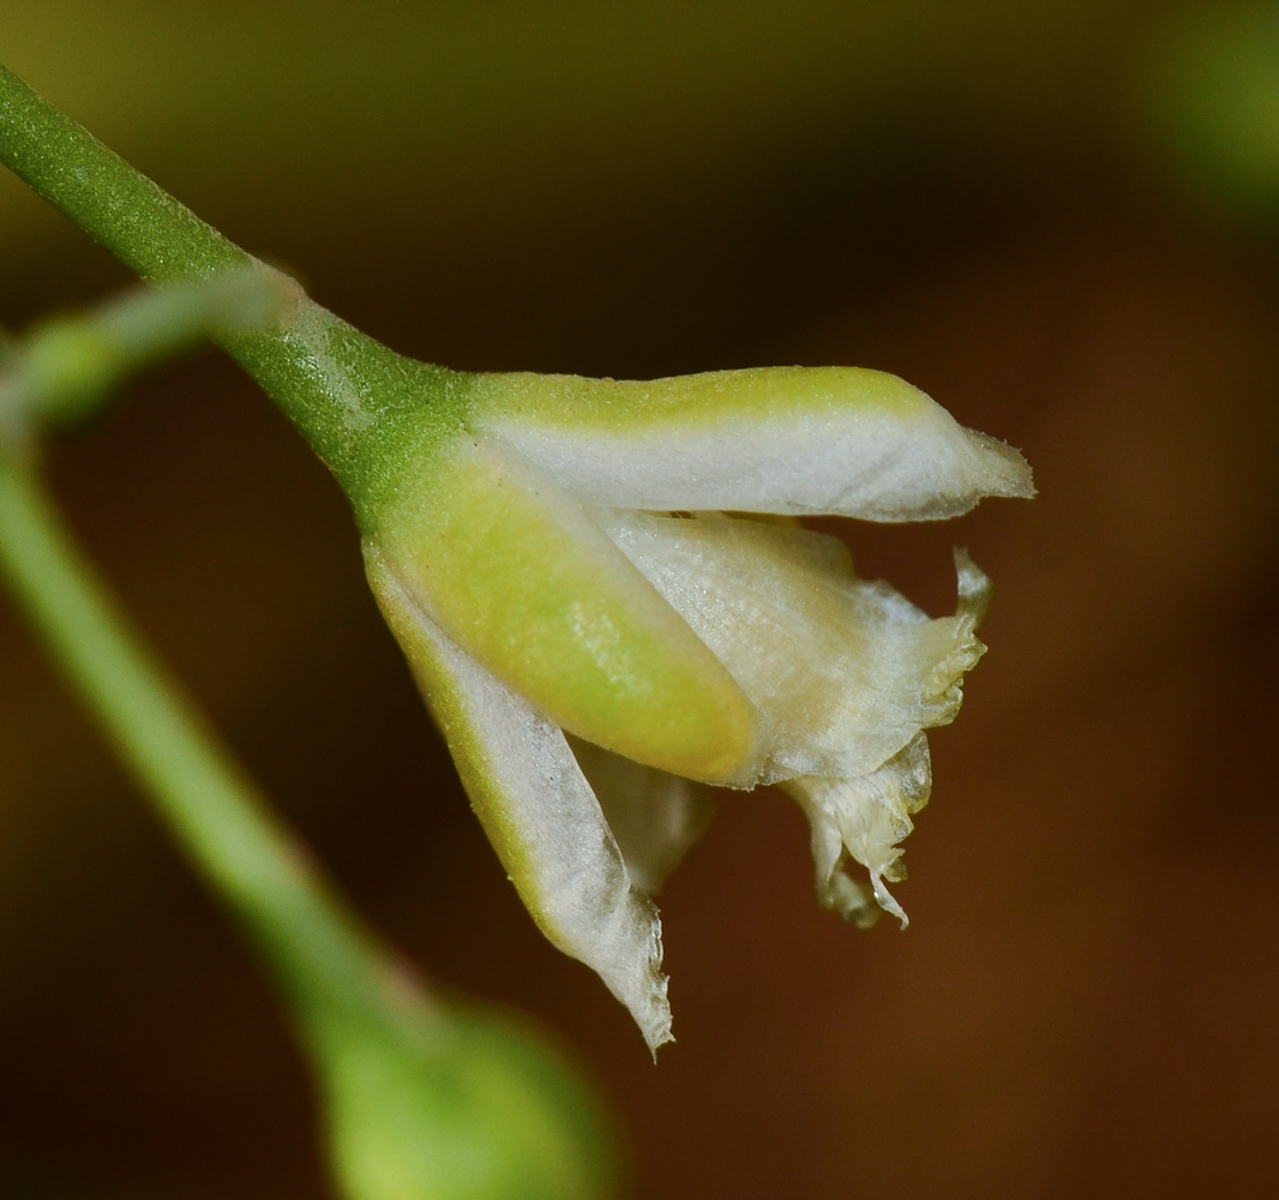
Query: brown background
point(981, 197)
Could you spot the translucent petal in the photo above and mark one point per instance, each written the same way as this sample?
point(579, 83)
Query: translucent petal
point(864, 818)
point(656, 817)
point(799, 440)
point(844, 673)
point(539, 812)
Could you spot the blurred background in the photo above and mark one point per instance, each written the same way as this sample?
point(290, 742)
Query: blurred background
point(1059, 217)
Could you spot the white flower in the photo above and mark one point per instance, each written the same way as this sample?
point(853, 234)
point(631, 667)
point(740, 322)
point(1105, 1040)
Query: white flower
point(594, 634)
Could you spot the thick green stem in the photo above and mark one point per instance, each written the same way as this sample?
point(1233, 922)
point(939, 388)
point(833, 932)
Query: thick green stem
point(364, 409)
point(333, 969)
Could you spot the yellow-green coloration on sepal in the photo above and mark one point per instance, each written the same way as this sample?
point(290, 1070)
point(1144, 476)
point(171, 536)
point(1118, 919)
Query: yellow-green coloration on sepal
point(513, 529)
point(517, 573)
point(749, 394)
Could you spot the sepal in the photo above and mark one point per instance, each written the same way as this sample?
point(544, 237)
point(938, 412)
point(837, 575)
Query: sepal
point(517, 574)
point(539, 812)
point(794, 440)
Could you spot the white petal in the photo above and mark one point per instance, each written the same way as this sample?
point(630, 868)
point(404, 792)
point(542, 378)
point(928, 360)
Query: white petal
point(832, 440)
point(540, 814)
point(864, 818)
point(655, 816)
point(844, 673)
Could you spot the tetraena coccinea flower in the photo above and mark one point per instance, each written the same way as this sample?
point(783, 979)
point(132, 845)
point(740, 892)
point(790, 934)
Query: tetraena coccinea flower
point(597, 637)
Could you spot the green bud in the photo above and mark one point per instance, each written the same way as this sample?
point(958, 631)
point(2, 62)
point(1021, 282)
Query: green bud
point(461, 1105)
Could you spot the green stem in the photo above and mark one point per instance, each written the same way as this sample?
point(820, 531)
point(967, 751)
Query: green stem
point(333, 969)
point(139, 222)
point(362, 407)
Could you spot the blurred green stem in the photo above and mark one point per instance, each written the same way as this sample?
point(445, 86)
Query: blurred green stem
point(421, 1104)
point(332, 968)
point(326, 960)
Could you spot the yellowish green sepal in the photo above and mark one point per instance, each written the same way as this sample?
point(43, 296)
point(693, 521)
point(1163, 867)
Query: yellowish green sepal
point(518, 574)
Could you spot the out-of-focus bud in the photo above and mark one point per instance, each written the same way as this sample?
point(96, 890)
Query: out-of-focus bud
point(69, 365)
point(456, 1105)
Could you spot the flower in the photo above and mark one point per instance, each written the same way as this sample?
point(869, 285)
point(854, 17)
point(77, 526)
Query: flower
point(596, 637)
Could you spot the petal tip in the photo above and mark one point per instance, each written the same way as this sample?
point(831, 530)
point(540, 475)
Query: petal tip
point(974, 587)
point(1008, 473)
point(864, 819)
